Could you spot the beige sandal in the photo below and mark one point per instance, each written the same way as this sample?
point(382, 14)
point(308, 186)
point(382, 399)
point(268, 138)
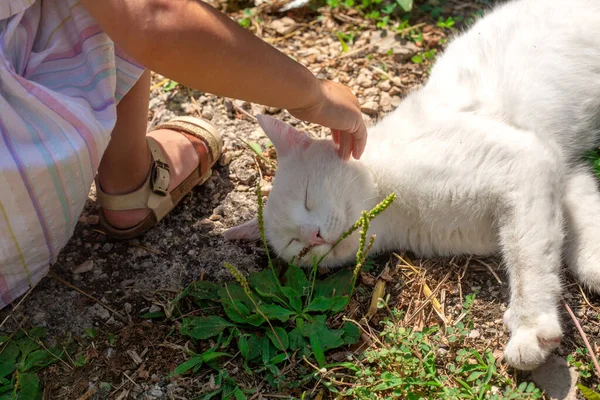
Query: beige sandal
point(154, 192)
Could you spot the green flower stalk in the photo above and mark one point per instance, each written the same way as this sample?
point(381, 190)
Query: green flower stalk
point(239, 277)
point(261, 229)
point(379, 208)
point(363, 238)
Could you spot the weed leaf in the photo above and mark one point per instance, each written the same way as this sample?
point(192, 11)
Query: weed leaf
point(187, 365)
point(10, 352)
point(350, 333)
point(337, 284)
point(405, 4)
point(26, 346)
point(6, 368)
point(294, 297)
point(588, 393)
point(29, 384)
point(280, 340)
point(266, 284)
point(273, 311)
point(39, 359)
point(295, 279)
point(328, 338)
point(317, 348)
point(321, 304)
point(203, 327)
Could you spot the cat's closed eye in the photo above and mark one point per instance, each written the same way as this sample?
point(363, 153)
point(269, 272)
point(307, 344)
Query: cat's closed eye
point(306, 199)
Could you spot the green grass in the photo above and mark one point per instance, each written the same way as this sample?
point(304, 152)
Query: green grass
point(22, 356)
point(593, 157)
point(431, 363)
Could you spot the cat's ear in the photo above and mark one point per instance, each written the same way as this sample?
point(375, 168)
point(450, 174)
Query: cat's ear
point(246, 231)
point(284, 137)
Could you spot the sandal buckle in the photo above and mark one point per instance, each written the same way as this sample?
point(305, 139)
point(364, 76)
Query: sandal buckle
point(160, 178)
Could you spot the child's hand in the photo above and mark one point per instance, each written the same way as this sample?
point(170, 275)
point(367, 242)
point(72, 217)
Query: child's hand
point(339, 110)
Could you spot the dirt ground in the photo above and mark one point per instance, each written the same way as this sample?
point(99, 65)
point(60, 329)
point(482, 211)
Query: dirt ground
point(105, 284)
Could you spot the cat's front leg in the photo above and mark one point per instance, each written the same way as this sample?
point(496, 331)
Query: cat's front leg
point(531, 234)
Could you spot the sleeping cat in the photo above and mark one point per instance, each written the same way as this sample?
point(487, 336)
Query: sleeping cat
point(484, 159)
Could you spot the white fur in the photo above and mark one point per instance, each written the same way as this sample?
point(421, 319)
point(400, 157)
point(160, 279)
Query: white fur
point(485, 158)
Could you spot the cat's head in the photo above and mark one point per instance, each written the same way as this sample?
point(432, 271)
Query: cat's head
point(316, 197)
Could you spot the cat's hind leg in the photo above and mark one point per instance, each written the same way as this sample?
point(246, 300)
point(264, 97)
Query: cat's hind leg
point(531, 237)
point(582, 214)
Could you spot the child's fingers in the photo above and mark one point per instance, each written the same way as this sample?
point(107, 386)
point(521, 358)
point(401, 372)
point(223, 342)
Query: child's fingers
point(346, 145)
point(360, 142)
point(335, 134)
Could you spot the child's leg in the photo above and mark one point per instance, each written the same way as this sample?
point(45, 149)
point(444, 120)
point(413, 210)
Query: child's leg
point(126, 161)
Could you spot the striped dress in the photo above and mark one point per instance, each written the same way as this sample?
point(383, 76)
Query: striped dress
point(60, 81)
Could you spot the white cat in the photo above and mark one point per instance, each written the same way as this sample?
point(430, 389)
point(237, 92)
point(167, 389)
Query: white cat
point(484, 159)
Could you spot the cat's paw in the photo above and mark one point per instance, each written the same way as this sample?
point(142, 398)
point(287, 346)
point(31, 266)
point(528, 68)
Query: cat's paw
point(529, 347)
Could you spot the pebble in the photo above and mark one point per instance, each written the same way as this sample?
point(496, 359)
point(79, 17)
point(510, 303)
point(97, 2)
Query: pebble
point(396, 101)
point(225, 159)
point(371, 92)
point(258, 109)
point(128, 307)
point(100, 311)
point(284, 25)
point(370, 108)
point(207, 113)
point(364, 81)
point(474, 334)
point(154, 308)
point(385, 85)
point(386, 100)
point(84, 267)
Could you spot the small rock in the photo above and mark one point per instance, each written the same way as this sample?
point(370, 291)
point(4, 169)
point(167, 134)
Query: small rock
point(128, 307)
point(154, 308)
point(225, 159)
point(556, 379)
point(207, 113)
point(396, 101)
point(207, 222)
point(100, 311)
point(284, 25)
point(474, 334)
point(265, 188)
point(215, 217)
point(386, 100)
point(385, 85)
point(258, 109)
point(370, 108)
point(364, 81)
point(402, 49)
point(245, 176)
point(371, 92)
point(86, 266)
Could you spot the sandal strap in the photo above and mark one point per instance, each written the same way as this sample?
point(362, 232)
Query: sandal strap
point(202, 130)
point(153, 194)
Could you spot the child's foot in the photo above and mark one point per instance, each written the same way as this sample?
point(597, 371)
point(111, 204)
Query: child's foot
point(184, 152)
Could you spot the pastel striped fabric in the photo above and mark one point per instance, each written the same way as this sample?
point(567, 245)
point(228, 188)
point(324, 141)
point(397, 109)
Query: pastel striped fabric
point(60, 81)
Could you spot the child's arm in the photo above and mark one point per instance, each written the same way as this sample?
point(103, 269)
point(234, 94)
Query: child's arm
point(193, 43)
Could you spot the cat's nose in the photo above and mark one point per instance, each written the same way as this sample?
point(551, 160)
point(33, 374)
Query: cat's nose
point(312, 235)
